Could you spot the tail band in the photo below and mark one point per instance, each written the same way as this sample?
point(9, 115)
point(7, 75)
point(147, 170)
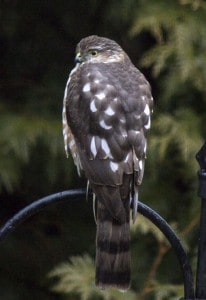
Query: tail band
point(113, 247)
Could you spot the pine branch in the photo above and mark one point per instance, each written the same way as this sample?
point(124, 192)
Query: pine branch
point(189, 227)
point(148, 287)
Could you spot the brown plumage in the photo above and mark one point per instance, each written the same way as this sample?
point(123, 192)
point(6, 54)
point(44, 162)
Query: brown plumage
point(106, 114)
point(113, 241)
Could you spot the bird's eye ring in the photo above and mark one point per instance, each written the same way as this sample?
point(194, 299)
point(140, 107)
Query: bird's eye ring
point(93, 52)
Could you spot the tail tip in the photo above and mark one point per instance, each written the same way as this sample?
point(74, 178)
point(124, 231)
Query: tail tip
point(122, 287)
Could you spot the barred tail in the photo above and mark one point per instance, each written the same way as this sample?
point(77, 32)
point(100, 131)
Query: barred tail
point(112, 250)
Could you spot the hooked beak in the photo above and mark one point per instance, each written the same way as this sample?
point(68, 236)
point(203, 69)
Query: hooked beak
point(78, 58)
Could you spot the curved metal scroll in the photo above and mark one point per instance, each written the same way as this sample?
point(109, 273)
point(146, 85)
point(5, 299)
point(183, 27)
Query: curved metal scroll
point(74, 195)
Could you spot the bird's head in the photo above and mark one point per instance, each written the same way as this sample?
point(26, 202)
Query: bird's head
point(95, 49)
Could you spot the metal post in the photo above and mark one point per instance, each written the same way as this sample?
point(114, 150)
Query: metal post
point(201, 260)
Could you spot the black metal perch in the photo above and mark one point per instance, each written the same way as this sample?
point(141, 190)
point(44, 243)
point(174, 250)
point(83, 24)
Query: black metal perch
point(154, 217)
point(201, 262)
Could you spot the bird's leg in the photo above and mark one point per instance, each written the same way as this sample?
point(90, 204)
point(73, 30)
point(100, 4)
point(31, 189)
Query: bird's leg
point(134, 199)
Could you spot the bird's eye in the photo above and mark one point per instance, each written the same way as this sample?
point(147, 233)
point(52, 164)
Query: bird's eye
point(93, 52)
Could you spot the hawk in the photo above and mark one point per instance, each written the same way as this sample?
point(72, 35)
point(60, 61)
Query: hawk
point(106, 115)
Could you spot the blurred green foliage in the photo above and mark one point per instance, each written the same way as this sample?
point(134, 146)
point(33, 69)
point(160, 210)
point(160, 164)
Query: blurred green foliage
point(167, 41)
